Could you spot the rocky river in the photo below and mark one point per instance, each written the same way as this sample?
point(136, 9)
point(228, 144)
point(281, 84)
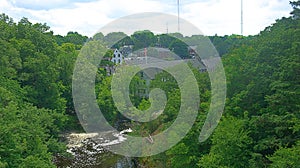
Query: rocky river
point(88, 150)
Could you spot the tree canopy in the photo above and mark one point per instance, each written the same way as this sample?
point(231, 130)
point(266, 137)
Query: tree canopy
point(260, 126)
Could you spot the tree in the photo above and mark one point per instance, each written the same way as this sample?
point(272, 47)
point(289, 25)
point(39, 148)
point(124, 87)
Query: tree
point(113, 38)
point(105, 101)
point(98, 36)
point(286, 157)
point(72, 37)
point(10, 61)
point(143, 39)
point(179, 48)
point(75, 38)
point(65, 65)
point(7, 27)
point(176, 35)
point(230, 145)
point(126, 41)
point(296, 10)
point(25, 135)
point(164, 40)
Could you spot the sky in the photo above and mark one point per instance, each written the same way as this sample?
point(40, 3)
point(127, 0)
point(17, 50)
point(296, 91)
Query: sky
point(221, 17)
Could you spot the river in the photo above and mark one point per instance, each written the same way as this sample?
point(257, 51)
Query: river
point(87, 150)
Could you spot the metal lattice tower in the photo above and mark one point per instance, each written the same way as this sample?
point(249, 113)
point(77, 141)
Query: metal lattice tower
point(178, 16)
point(242, 18)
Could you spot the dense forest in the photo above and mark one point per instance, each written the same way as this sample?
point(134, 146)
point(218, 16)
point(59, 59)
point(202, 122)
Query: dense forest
point(260, 126)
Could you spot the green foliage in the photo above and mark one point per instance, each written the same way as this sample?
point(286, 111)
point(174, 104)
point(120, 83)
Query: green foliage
point(211, 161)
point(7, 27)
point(10, 61)
point(143, 39)
point(230, 145)
point(296, 11)
point(123, 41)
point(261, 126)
point(35, 82)
point(179, 48)
point(113, 38)
point(71, 37)
point(105, 100)
point(180, 156)
point(263, 88)
point(227, 43)
point(177, 35)
point(98, 36)
point(286, 157)
point(164, 40)
point(25, 133)
point(144, 105)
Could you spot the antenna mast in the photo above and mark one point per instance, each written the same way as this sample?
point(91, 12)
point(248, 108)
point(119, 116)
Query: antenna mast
point(167, 28)
point(242, 18)
point(178, 16)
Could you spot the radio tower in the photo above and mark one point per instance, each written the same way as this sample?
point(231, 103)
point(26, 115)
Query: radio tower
point(178, 16)
point(242, 18)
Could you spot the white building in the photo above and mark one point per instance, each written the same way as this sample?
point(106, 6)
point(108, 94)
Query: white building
point(117, 57)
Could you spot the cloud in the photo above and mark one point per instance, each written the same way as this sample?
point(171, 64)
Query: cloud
point(84, 17)
point(88, 16)
point(224, 17)
point(44, 4)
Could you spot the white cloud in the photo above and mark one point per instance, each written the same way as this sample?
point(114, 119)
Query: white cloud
point(87, 16)
point(261, 14)
point(44, 4)
point(224, 17)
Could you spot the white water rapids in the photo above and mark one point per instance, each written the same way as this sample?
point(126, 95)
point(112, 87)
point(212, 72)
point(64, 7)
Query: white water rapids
point(88, 150)
point(76, 140)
